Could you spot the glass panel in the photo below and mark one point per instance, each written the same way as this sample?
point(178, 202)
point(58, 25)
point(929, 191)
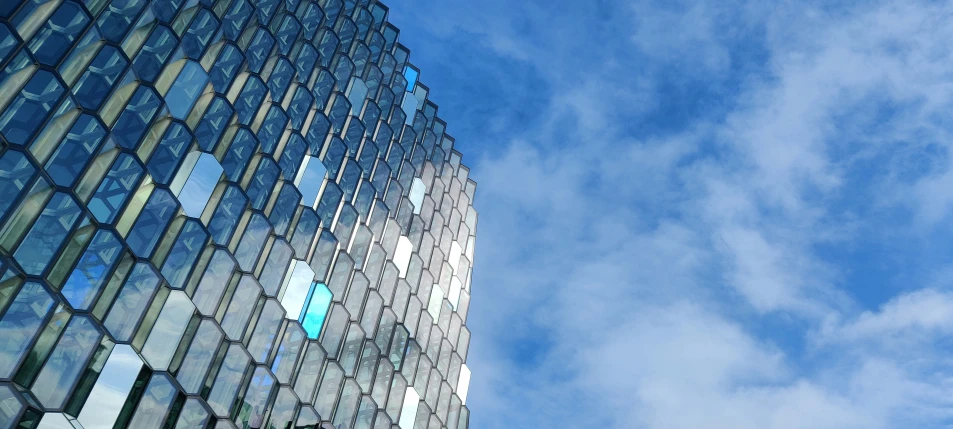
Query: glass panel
point(240, 308)
point(251, 412)
point(16, 172)
point(47, 234)
point(169, 153)
point(131, 304)
point(10, 406)
point(252, 242)
point(296, 288)
point(228, 380)
point(347, 406)
point(408, 410)
point(283, 412)
point(113, 385)
point(66, 363)
point(186, 90)
point(75, 150)
point(20, 324)
point(463, 386)
point(328, 392)
point(153, 220)
point(168, 330)
point(402, 255)
point(266, 330)
point(116, 188)
point(97, 81)
point(210, 289)
point(201, 182)
point(155, 403)
point(292, 342)
point(191, 374)
point(59, 32)
point(193, 415)
point(188, 245)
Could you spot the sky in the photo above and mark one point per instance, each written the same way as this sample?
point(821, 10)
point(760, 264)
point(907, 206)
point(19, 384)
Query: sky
point(706, 214)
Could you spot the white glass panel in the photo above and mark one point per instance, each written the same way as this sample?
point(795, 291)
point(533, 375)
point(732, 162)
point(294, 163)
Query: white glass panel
point(409, 409)
point(454, 257)
point(55, 421)
point(402, 255)
point(168, 330)
point(298, 283)
point(113, 385)
point(463, 386)
point(309, 180)
point(417, 192)
point(454, 295)
point(436, 298)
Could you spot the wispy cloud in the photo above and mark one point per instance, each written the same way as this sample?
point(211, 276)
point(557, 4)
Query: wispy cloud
point(703, 214)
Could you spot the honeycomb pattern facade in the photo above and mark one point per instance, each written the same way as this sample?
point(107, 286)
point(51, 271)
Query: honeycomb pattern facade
point(226, 214)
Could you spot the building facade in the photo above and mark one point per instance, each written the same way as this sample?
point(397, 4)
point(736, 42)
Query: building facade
point(226, 214)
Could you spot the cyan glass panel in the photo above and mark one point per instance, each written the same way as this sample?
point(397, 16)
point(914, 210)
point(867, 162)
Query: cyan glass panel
point(216, 277)
point(191, 374)
point(263, 337)
point(48, 233)
point(116, 188)
point(228, 380)
point(188, 245)
point(97, 81)
point(168, 330)
point(20, 324)
point(193, 415)
point(113, 385)
point(186, 89)
point(155, 403)
point(152, 222)
point(30, 107)
point(201, 182)
point(240, 308)
point(317, 306)
point(75, 151)
point(131, 304)
point(67, 362)
point(297, 285)
point(251, 413)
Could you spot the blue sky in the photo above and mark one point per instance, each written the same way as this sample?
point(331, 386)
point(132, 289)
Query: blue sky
point(703, 214)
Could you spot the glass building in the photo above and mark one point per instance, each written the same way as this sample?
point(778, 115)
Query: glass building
point(226, 214)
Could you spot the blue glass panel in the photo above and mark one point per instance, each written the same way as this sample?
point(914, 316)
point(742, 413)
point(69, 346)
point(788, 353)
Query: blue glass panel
point(318, 304)
point(330, 199)
point(300, 105)
point(135, 119)
point(184, 253)
point(30, 107)
point(195, 365)
point(340, 110)
point(364, 200)
point(284, 208)
point(213, 123)
point(20, 324)
point(214, 281)
point(287, 34)
point(346, 223)
point(155, 403)
point(16, 172)
point(226, 67)
point(75, 150)
point(350, 179)
point(152, 222)
point(48, 233)
point(228, 380)
point(97, 81)
point(239, 153)
point(197, 190)
point(132, 301)
point(169, 153)
point(367, 158)
point(154, 53)
point(262, 183)
point(187, 88)
point(317, 133)
point(291, 157)
point(304, 232)
point(115, 20)
point(259, 49)
point(343, 71)
point(360, 56)
point(197, 37)
point(280, 79)
point(327, 47)
point(311, 21)
point(116, 188)
point(266, 8)
point(304, 63)
point(323, 88)
point(252, 242)
point(251, 412)
point(8, 42)
point(324, 254)
point(89, 276)
point(227, 214)
point(59, 32)
point(311, 181)
point(272, 128)
point(236, 18)
point(165, 10)
point(333, 9)
point(381, 175)
point(250, 100)
point(67, 362)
